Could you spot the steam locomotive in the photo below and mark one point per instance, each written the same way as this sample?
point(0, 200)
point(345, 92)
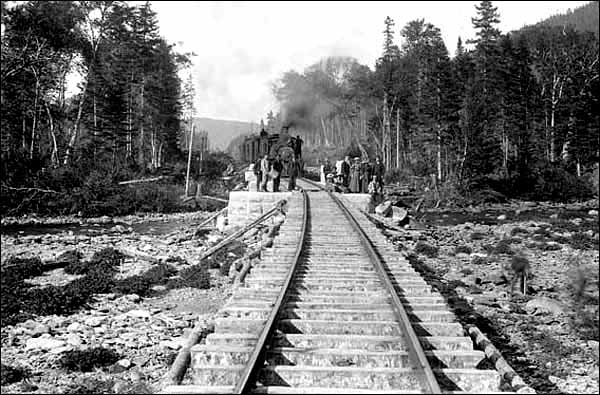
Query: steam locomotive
point(256, 146)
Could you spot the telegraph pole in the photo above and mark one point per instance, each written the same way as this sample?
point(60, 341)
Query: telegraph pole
point(187, 177)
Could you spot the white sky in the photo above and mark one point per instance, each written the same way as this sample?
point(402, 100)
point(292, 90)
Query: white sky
point(243, 47)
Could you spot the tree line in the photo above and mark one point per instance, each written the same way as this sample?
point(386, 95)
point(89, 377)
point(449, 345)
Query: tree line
point(518, 107)
point(127, 109)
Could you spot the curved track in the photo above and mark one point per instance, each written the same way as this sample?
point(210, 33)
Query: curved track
point(334, 309)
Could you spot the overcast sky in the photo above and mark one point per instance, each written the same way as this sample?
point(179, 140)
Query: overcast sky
point(243, 47)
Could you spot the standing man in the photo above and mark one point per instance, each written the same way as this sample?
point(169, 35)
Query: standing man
point(265, 166)
point(379, 171)
point(277, 169)
point(258, 174)
point(346, 171)
point(298, 148)
point(293, 172)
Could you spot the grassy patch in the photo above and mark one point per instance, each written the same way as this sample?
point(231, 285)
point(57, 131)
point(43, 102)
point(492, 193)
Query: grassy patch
point(11, 374)
point(195, 276)
point(90, 385)
point(88, 360)
point(428, 250)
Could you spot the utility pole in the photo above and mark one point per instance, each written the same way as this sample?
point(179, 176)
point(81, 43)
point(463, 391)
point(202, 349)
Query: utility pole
point(187, 177)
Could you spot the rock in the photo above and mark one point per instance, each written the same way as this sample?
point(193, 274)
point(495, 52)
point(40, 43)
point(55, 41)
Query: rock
point(139, 313)
point(174, 344)
point(384, 209)
point(39, 330)
point(221, 223)
point(553, 379)
point(118, 228)
point(94, 321)
point(75, 327)
point(399, 214)
point(43, 343)
point(502, 217)
point(593, 213)
point(214, 239)
point(126, 363)
point(140, 361)
point(74, 340)
point(554, 216)
point(116, 368)
point(543, 305)
point(132, 298)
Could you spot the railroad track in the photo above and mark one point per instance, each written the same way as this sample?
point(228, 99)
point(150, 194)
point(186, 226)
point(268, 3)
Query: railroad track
point(333, 308)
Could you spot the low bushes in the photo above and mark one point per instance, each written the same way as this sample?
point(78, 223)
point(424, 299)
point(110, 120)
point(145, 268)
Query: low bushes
point(11, 374)
point(195, 276)
point(426, 249)
point(88, 360)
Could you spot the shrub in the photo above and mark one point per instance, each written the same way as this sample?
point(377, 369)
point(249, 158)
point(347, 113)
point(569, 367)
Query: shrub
point(462, 249)
point(479, 260)
point(10, 374)
point(87, 360)
point(583, 241)
point(503, 247)
point(426, 249)
point(24, 267)
point(90, 385)
point(195, 276)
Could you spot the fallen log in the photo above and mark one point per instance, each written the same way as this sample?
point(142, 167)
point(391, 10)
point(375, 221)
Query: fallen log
point(139, 180)
point(241, 231)
point(212, 217)
point(212, 198)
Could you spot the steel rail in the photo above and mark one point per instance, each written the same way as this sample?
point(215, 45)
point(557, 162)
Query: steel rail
point(258, 354)
point(415, 349)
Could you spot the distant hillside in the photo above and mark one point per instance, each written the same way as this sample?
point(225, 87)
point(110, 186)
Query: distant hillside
point(584, 18)
point(221, 132)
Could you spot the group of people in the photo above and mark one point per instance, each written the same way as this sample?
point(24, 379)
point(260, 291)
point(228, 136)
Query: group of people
point(355, 176)
point(266, 169)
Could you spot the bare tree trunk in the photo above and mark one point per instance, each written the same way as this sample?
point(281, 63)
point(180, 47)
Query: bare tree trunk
point(35, 111)
point(75, 128)
point(95, 126)
point(54, 154)
point(141, 148)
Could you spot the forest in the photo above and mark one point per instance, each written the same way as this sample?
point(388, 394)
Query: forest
point(512, 113)
point(517, 114)
point(64, 154)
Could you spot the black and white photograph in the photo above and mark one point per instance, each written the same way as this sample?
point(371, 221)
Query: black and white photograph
point(299, 197)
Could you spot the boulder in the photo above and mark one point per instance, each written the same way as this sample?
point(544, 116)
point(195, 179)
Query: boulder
point(221, 223)
point(593, 213)
point(502, 217)
point(43, 343)
point(399, 215)
point(384, 209)
point(139, 313)
point(543, 306)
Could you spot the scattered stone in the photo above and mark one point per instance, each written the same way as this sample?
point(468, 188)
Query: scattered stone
point(174, 344)
point(126, 363)
point(75, 327)
point(133, 298)
point(39, 330)
point(502, 217)
point(74, 340)
point(94, 321)
point(593, 213)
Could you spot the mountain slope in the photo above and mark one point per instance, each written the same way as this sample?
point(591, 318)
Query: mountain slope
point(584, 18)
point(221, 132)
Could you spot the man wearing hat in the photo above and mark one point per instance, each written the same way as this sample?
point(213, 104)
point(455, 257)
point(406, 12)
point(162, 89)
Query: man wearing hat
point(355, 176)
